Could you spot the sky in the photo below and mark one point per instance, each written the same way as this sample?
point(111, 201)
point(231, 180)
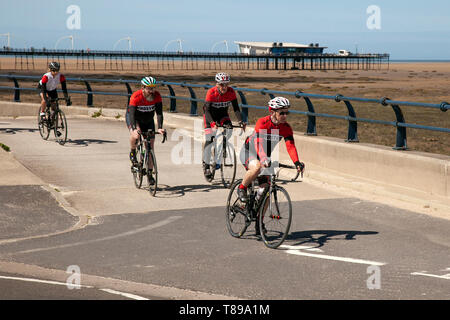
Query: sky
point(405, 29)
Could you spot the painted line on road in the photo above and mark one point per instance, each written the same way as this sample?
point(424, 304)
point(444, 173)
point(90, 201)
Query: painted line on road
point(124, 234)
point(445, 276)
point(75, 286)
point(127, 295)
point(297, 252)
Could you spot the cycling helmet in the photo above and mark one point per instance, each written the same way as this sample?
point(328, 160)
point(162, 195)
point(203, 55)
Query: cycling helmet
point(279, 103)
point(53, 66)
point(222, 77)
point(148, 82)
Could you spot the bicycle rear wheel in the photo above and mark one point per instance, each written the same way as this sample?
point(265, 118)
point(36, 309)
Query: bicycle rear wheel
point(275, 217)
point(236, 213)
point(43, 125)
point(60, 127)
point(228, 165)
point(152, 175)
point(137, 171)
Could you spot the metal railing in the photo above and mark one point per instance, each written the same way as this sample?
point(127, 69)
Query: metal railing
point(352, 135)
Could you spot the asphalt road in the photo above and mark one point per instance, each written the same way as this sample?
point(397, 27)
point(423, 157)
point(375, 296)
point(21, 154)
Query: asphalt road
point(177, 245)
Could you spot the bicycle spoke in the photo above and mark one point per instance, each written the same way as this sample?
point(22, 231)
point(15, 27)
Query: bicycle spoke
point(275, 218)
point(236, 213)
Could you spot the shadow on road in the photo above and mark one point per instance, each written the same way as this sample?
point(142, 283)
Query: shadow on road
point(320, 237)
point(16, 130)
point(86, 142)
point(180, 191)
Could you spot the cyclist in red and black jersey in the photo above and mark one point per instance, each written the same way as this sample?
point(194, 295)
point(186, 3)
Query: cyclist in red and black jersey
point(48, 86)
point(215, 111)
point(269, 130)
point(141, 110)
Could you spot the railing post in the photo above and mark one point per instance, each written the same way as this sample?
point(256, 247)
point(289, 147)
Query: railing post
point(263, 92)
point(16, 90)
point(311, 129)
point(352, 135)
point(173, 101)
point(400, 143)
point(193, 100)
point(129, 91)
point(90, 97)
point(244, 112)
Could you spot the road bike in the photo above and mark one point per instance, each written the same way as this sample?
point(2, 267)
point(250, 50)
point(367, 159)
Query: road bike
point(55, 120)
point(270, 208)
point(221, 157)
point(146, 162)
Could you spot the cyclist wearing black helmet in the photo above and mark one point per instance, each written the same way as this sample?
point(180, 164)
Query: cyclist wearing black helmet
point(48, 85)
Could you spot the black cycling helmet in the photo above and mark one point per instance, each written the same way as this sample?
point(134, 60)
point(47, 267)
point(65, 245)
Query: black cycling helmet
point(53, 66)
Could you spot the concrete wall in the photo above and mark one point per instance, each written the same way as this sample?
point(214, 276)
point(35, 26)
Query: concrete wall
point(415, 177)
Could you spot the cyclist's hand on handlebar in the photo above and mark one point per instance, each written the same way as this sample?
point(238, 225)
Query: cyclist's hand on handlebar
point(243, 125)
point(265, 163)
point(68, 101)
point(161, 131)
point(300, 167)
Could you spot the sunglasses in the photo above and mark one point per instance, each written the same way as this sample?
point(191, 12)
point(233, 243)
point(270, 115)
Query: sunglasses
point(284, 113)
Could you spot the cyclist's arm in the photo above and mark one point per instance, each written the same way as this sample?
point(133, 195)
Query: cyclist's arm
point(159, 114)
point(292, 150)
point(207, 112)
point(237, 110)
point(62, 79)
point(132, 116)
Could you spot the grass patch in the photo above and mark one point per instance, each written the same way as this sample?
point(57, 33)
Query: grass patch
point(5, 147)
point(97, 114)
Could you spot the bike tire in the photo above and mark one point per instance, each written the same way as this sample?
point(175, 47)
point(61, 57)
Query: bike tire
point(228, 165)
point(60, 128)
point(137, 171)
point(276, 219)
point(153, 173)
point(236, 217)
point(43, 126)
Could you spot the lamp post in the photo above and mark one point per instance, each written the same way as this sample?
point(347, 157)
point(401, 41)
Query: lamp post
point(126, 38)
point(65, 37)
point(224, 41)
point(177, 40)
point(8, 36)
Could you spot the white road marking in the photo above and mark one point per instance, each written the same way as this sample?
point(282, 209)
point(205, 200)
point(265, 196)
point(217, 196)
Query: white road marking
point(445, 276)
point(295, 250)
point(127, 295)
point(308, 248)
point(124, 234)
point(75, 286)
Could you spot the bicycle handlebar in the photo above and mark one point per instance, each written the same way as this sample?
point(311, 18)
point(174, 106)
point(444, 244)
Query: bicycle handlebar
point(148, 132)
point(286, 166)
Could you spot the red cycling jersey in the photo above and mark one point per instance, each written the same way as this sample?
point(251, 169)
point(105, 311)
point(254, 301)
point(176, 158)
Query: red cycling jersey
point(267, 135)
point(218, 100)
point(142, 104)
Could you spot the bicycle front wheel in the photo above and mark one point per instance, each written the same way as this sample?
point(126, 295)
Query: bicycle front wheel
point(275, 217)
point(236, 213)
point(152, 174)
point(60, 127)
point(137, 170)
point(43, 125)
point(228, 165)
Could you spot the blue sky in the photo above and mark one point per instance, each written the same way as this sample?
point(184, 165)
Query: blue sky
point(408, 29)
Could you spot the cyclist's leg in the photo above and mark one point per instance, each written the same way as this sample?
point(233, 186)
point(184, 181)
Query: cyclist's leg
point(43, 104)
point(134, 136)
point(146, 127)
point(209, 138)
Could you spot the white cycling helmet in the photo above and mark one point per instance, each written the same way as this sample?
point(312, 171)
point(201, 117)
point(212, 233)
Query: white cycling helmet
point(279, 103)
point(148, 82)
point(222, 77)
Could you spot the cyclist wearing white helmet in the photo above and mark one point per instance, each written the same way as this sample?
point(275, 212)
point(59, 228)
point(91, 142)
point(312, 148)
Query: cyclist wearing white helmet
point(141, 111)
point(48, 85)
point(215, 111)
point(269, 130)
